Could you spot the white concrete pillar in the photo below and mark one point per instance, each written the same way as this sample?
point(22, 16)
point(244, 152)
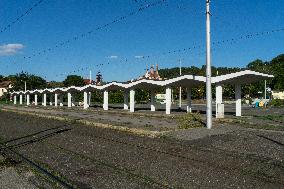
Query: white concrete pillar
point(28, 99)
point(44, 99)
point(69, 98)
point(21, 99)
point(15, 99)
point(168, 100)
point(55, 99)
point(219, 101)
point(35, 99)
point(132, 100)
point(105, 104)
point(86, 100)
point(61, 100)
point(188, 95)
point(238, 97)
point(125, 103)
point(153, 108)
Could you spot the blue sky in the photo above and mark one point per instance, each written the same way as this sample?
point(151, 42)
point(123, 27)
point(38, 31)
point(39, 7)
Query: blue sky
point(175, 24)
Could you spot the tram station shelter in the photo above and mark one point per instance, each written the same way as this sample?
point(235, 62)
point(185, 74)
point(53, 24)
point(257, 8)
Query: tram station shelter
point(187, 81)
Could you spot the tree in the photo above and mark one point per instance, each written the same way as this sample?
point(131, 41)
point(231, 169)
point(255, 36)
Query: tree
point(32, 81)
point(73, 80)
point(277, 69)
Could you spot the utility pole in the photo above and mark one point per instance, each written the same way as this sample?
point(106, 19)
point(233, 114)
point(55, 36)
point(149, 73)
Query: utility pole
point(208, 69)
point(180, 87)
point(25, 90)
point(265, 89)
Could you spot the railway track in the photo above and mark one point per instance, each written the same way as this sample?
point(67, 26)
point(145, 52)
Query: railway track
point(10, 145)
point(8, 152)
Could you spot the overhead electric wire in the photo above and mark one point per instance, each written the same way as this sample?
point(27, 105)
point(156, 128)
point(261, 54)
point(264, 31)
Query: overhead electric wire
point(28, 11)
point(214, 45)
point(82, 35)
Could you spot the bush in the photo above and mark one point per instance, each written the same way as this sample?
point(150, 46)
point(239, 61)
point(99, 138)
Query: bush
point(190, 120)
point(277, 103)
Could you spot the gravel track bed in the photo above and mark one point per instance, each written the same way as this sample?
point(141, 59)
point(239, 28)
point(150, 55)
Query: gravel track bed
point(101, 158)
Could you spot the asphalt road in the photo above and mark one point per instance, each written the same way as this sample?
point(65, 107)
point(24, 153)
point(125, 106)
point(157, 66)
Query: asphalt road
point(89, 157)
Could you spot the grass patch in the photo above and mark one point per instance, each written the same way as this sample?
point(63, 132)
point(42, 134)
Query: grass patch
point(271, 117)
point(190, 120)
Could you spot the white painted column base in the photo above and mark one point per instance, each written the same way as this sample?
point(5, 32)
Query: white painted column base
point(105, 105)
point(132, 100)
point(168, 100)
point(238, 97)
point(188, 95)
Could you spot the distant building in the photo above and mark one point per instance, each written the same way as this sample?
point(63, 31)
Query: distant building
point(4, 86)
point(151, 74)
point(88, 82)
point(98, 81)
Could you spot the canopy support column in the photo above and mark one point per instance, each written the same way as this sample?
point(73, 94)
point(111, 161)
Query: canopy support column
point(61, 100)
point(86, 100)
point(153, 108)
point(168, 100)
point(105, 105)
point(89, 98)
point(44, 99)
point(188, 95)
point(132, 100)
point(35, 99)
point(55, 99)
point(28, 99)
point(15, 99)
point(126, 96)
point(21, 99)
point(50, 100)
point(69, 99)
point(238, 97)
point(219, 101)
point(73, 99)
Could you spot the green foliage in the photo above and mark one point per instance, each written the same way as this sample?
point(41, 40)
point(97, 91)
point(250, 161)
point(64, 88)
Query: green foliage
point(277, 103)
point(73, 80)
point(142, 96)
point(116, 96)
point(55, 84)
point(190, 120)
point(33, 81)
